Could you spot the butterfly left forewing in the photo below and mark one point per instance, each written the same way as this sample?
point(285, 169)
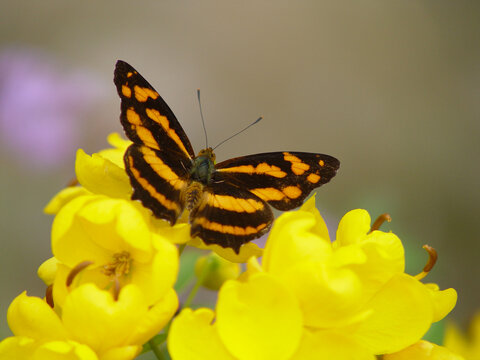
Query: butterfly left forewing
point(146, 117)
point(283, 179)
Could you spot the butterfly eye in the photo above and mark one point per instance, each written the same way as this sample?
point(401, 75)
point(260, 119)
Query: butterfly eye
point(207, 153)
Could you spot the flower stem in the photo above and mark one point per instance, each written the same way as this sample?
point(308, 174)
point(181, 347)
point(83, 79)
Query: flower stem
point(156, 350)
point(201, 278)
point(181, 247)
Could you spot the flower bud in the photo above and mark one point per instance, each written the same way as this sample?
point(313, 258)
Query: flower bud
point(215, 270)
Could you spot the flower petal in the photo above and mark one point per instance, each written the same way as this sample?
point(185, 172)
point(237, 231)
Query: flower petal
point(32, 317)
point(64, 197)
point(95, 227)
point(91, 274)
point(176, 234)
point(353, 227)
point(118, 142)
point(443, 301)
point(466, 344)
point(115, 154)
point(94, 318)
point(423, 350)
point(246, 251)
point(156, 277)
point(122, 353)
point(48, 270)
point(17, 348)
point(327, 345)
point(101, 176)
point(384, 257)
point(193, 336)
point(262, 313)
point(320, 227)
point(328, 296)
point(293, 240)
point(71, 243)
point(64, 350)
point(155, 320)
point(402, 312)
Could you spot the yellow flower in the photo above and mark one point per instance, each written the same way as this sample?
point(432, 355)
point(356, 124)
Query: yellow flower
point(314, 299)
point(103, 173)
point(119, 240)
point(424, 350)
point(467, 345)
point(93, 325)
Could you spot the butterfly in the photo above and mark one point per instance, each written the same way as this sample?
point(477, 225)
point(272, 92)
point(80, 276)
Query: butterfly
point(229, 202)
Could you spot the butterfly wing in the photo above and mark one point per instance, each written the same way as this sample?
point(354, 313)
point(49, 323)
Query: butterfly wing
point(146, 118)
point(229, 216)
point(159, 160)
point(158, 180)
point(283, 179)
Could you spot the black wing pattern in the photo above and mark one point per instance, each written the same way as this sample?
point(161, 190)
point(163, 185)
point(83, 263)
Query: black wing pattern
point(159, 160)
point(146, 118)
point(283, 179)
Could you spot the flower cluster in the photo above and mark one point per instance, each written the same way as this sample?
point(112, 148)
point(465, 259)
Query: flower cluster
point(111, 286)
point(111, 277)
point(311, 298)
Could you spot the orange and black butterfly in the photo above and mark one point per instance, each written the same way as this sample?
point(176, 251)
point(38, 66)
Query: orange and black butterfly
point(228, 202)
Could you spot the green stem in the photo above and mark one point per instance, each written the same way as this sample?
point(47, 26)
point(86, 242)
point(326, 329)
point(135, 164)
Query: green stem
point(201, 278)
point(156, 350)
point(181, 247)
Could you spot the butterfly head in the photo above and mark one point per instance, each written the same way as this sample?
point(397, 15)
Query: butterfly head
point(207, 153)
point(203, 166)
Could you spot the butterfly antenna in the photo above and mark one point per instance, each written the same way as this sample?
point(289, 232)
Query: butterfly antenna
point(203, 121)
point(256, 121)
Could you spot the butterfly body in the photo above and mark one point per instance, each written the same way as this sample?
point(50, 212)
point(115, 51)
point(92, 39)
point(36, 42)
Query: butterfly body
point(203, 166)
point(229, 202)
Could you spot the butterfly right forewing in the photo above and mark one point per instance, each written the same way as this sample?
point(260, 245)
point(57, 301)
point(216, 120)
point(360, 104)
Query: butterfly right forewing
point(283, 179)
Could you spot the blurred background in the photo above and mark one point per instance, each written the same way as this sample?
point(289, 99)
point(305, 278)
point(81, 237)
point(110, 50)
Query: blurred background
point(391, 88)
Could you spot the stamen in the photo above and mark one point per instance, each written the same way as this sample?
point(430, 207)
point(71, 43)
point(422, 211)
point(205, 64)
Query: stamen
point(120, 265)
point(380, 220)
point(73, 182)
point(49, 296)
point(74, 272)
point(432, 259)
point(116, 288)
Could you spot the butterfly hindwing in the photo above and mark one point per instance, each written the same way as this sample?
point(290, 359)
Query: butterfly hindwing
point(283, 179)
point(229, 216)
point(146, 118)
point(158, 179)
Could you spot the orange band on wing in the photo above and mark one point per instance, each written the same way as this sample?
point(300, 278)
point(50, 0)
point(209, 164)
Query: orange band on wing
point(163, 121)
point(142, 94)
point(231, 203)
point(262, 168)
point(229, 229)
point(170, 205)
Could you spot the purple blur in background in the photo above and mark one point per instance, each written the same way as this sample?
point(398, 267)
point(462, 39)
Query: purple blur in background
point(41, 108)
